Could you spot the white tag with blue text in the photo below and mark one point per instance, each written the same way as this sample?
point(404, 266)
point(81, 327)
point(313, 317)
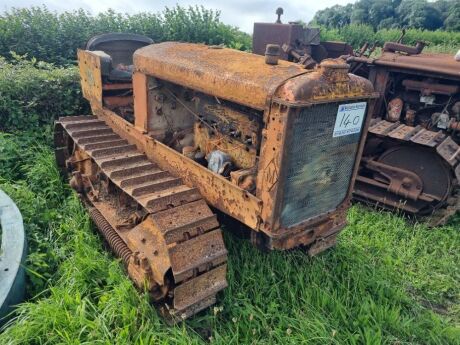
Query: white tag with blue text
point(349, 119)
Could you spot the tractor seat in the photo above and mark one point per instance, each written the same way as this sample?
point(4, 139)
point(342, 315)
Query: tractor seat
point(116, 51)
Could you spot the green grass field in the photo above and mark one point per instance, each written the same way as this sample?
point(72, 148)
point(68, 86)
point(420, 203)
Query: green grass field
point(386, 282)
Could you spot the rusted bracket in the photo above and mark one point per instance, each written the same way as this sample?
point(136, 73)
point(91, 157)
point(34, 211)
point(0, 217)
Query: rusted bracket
point(401, 182)
point(151, 256)
point(302, 58)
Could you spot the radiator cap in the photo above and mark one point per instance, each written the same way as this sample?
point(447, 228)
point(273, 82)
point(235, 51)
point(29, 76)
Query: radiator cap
point(334, 69)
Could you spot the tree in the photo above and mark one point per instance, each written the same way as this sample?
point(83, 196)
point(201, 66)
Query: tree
point(359, 16)
point(419, 14)
point(381, 14)
point(452, 22)
point(379, 11)
point(334, 17)
point(444, 7)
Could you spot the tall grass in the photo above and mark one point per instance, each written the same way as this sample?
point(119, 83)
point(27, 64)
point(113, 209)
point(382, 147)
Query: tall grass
point(387, 281)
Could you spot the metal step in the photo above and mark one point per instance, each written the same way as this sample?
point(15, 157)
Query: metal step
point(197, 255)
point(154, 186)
point(112, 151)
point(104, 144)
point(81, 125)
point(91, 132)
point(97, 139)
point(200, 288)
point(180, 223)
point(78, 118)
point(149, 173)
point(113, 162)
point(171, 197)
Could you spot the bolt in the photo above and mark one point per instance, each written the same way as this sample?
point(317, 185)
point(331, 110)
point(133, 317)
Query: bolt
point(406, 182)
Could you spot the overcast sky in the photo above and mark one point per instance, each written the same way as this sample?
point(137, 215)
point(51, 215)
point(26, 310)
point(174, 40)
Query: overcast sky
point(241, 13)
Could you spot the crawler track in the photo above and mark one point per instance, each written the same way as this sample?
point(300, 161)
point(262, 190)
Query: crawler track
point(163, 230)
point(433, 154)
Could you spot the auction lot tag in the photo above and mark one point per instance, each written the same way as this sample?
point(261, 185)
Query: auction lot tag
point(349, 119)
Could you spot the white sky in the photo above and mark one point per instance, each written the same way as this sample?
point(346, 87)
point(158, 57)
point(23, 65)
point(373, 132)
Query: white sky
point(241, 13)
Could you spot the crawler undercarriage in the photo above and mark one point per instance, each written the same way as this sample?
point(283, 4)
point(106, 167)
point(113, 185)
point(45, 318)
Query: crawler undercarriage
point(164, 232)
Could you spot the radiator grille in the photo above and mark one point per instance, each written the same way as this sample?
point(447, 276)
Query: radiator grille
point(319, 167)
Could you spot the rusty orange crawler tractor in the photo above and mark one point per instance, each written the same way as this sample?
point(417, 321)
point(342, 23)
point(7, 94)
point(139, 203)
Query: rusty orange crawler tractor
point(275, 146)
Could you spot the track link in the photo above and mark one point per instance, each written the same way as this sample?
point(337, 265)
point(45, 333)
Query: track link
point(439, 143)
point(163, 230)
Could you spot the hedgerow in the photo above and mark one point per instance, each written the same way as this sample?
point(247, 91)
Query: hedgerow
point(357, 35)
point(55, 37)
point(34, 93)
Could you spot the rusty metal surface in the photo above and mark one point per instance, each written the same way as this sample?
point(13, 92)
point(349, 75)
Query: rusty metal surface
point(440, 64)
point(427, 138)
point(427, 87)
point(383, 127)
point(331, 85)
point(243, 156)
point(117, 86)
point(140, 84)
point(336, 49)
point(199, 73)
point(433, 179)
point(398, 47)
point(299, 44)
point(404, 132)
point(268, 176)
point(449, 150)
point(330, 81)
point(226, 73)
point(413, 178)
point(275, 33)
point(117, 101)
point(303, 234)
point(90, 75)
point(200, 288)
point(173, 248)
point(217, 190)
point(114, 240)
point(197, 254)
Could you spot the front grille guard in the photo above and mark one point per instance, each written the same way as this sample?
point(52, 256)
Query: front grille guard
point(318, 168)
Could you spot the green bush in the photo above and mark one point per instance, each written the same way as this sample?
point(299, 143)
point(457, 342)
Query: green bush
point(356, 35)
point(437, 37)
point(52, 37)
point(35, 93)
